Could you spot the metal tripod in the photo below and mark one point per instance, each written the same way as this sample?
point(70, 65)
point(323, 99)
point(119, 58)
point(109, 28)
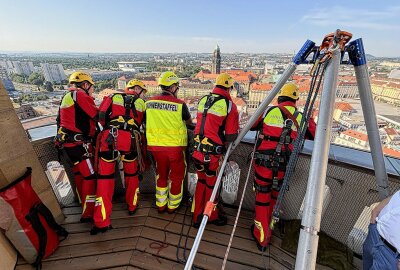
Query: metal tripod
point(308, 242)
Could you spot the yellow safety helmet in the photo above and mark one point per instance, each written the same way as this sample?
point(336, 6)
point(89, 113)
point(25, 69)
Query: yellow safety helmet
point(290, 90)
point(168, 78)
point(79, 76)
point(225, 80)
point(132, 83)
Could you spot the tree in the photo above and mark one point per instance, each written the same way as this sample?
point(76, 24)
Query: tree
point(36, 78)
point(17, 78)
point(48, 86)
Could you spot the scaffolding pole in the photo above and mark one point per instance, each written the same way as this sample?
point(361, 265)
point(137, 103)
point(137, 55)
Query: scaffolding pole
point(358, 59)
point(311, 221)
point(298, 59)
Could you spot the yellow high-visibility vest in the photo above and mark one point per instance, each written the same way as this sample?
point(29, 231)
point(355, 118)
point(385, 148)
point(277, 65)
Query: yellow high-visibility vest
point(164, 124)
point(274, 117)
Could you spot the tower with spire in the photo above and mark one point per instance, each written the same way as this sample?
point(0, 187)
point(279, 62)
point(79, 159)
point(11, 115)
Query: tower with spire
point(216, 61)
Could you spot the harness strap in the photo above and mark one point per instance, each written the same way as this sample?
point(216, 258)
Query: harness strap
point(211, 100)
point(261, 178)
point(48, 216)
point(262, 188)
point(207, 146)
point(202, 181)
point(129, 104)
point(37, 226)
point(289, 115)
point(123, 123)
point(131, 174)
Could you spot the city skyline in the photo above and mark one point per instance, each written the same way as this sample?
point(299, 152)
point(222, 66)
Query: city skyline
point(184, 26)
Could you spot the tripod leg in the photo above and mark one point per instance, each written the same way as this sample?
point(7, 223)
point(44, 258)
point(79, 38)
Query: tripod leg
point(357, 57)
point(311, 222)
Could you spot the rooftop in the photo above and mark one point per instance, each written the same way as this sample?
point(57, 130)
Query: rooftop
point(149, 240)
point(356, 134)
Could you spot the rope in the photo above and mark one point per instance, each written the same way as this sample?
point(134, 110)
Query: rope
point(140, 159)
point(159, 246)
point(239, 209)
point(299, 142)
point(183, 261)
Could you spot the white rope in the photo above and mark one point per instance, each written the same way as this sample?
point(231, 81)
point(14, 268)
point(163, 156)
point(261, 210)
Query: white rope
point(240, 208)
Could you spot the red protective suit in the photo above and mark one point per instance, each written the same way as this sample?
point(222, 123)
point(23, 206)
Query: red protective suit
point(166, 133)
point(221, 125)
point(121, 115)
point(76, 119)
point(271, 126)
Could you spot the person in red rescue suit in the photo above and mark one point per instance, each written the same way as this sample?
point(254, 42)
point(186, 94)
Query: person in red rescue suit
point(121, 115)
point(277, 131)
point(217, 125)
point(166, 133)
point(76, 129)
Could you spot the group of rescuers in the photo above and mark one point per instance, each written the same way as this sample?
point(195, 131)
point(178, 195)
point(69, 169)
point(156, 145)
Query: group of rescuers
point(96, 138)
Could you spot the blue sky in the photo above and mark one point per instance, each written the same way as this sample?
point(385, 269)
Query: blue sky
point(194, 26)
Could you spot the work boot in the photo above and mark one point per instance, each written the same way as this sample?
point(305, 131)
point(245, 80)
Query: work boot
point(162, 209)
point(95, 230)
point(259, 246)
point(198, 221)
point(220, 221)
point(86, 219)
point(132, 212)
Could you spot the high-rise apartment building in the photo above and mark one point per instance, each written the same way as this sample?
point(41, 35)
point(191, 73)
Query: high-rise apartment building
point(8, 84)
point(53, 72)
point(216, 61)
point(23, 68)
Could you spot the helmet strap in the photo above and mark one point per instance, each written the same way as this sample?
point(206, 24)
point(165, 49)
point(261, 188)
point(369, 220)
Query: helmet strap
point(168, 92)
point(80, 86)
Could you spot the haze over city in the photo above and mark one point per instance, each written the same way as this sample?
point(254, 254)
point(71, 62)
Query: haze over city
point(187, 26)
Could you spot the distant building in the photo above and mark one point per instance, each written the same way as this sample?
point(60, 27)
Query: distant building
point(390, 64)
point(216, 61)
point(106, 92)
point(347, 90)
point(53, 72)
point(22, 68)
point(8, 84)
point(26, 112)
point(258, 92)
point(394, 74)
point(191, 89)
point(392, 120)
point(7, 65)
point(393, 137)
point(135, 66)
point(152, 86)
point(353, 139)
point(387, 91)
point(342, 109)
point(351, 122)
point(242, 78)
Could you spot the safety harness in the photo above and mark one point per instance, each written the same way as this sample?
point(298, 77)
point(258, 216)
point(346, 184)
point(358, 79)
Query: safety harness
point(277, 159)
point(65, 135)
point(202, 143)
point(125, 122)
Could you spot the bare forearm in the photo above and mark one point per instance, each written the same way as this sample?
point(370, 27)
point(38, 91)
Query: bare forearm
point(375, 212)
